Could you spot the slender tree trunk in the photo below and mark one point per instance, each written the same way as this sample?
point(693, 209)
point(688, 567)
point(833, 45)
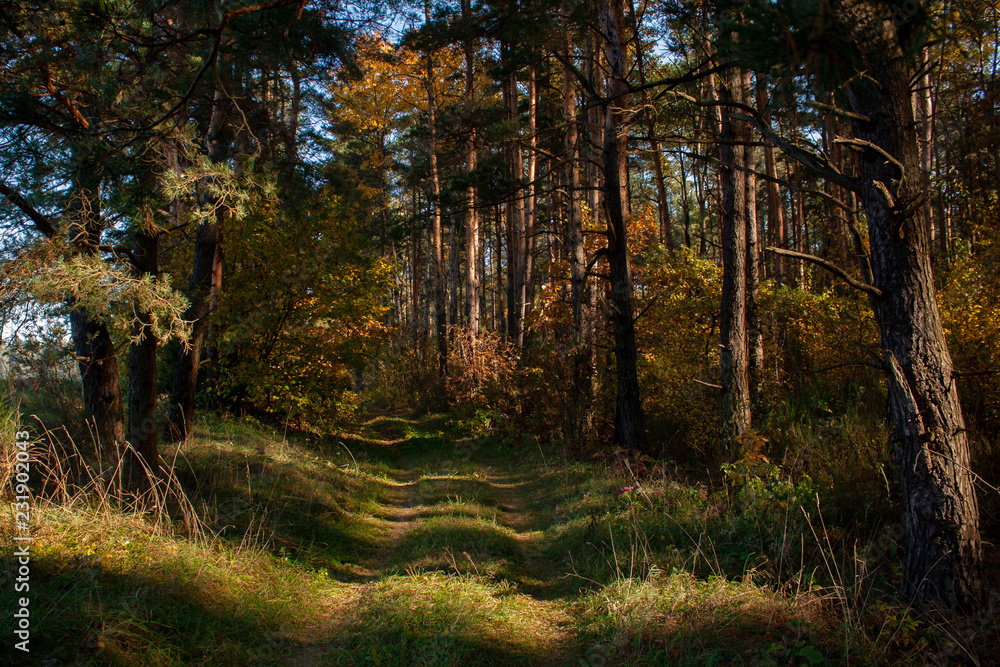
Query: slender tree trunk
point(685, 203)
point(755, 340)
point(292, 143)
point(204, 285)
point(455, 250)
point(471, 212)
point(925, 105)
point(500, 323)
point(577, 254)
point(775, 209)
point(530, 212)
point(663, 213)
point(595, 201)
point(630, 430)
point(733, 136)
point(574, 230)
point(440, 305)
point(517, 232)
point(416, 286)
point(943, 550)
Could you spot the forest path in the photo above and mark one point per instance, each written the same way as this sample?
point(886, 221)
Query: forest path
point(459, 568)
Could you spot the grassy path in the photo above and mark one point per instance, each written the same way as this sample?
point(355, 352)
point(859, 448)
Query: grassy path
point(405, 543)
point(457, 542)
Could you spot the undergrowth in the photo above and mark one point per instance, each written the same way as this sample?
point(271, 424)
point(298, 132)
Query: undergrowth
point(413, 542)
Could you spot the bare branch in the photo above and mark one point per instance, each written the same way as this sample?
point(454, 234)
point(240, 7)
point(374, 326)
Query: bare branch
point(821, 166)
point(837, 111)
point(832, 268)
point(597, 256)
point(861, 143)
point(42, 223)
point(708, 384)
point(869, 364)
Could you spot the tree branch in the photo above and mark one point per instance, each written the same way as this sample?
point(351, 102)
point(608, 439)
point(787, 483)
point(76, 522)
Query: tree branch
point(597, 256)
point(832, 268)
point(861, 143)
point(969, 374)
point(810, 160)
point(869, 364)
point(42, 223)
point(644, 310)
point(708, 384)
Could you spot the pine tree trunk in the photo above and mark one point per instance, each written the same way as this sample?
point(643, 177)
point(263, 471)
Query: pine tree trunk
point(204, 285)
point(102, 393)
point(516, 228)
point(92, 343)
point(437, 243)
point(143, 430)
point(630, 430)
point(471, 212)
point(530, 210)
point(943, 553)
point(733, 136)
point(775, 208)
point(755, 341)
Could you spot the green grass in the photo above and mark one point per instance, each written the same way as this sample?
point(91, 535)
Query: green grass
point(405, 543)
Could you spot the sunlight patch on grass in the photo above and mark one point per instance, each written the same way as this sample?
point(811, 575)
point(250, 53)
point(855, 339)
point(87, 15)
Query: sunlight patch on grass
point(680, 619)
point(434, 619)
point(110, 589)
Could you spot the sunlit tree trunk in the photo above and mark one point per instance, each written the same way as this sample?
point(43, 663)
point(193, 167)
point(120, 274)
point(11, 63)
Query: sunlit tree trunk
point(203, 287)
point(755, 340)
point(471, 212)
point(437, 245)
point(530, 209)
point(516, 223)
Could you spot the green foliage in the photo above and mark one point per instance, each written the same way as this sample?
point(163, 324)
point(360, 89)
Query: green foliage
point(43, 375)
point(114, 294)
point(678, 338)
point(303, 310)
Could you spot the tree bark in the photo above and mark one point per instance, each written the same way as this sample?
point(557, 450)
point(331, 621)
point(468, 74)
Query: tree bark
point(102, 393)
point(143, 430)
point(530, 209)
point(583, 375)
point(437, 248)
point(471, 212)
point(516, 227)
point(943, 552)
point(630, 430)
point(204, 285)
point(755, 340)
point(92, 342)
point(733, 136)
